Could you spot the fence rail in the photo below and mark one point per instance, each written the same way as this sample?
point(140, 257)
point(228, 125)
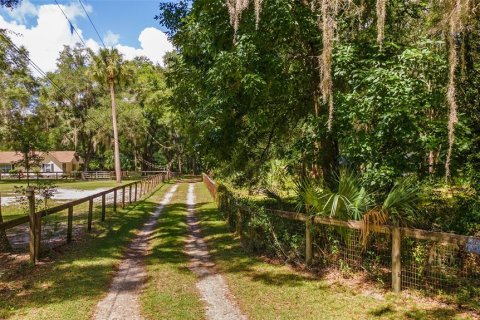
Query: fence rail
point(135, 190)
point(86, 175)
point(409, 258)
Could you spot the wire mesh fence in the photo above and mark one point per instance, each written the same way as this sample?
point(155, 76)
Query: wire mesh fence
point(403, 258)
point(342, 248)
point(438, 267)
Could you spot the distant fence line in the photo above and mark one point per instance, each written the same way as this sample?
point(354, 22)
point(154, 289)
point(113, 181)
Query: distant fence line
point(85, 175)
point(135, 191)
point(448, 261)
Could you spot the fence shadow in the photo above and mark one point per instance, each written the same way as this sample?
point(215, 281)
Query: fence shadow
point(82, 272)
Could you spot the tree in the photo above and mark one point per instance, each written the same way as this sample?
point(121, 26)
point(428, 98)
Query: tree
point(10, 3)
point(26, 136)
point(65, 109)
point(108, 68)
point(253, 94)
point(17, 89)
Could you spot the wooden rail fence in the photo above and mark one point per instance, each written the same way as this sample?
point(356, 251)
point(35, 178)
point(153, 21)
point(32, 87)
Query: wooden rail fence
point(140, 189)
point(88, 175)
point(397, 234)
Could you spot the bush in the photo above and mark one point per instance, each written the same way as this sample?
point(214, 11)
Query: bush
point(260, 231)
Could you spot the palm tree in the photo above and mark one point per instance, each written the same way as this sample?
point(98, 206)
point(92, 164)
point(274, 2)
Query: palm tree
point(349, 200)
point(108, 68)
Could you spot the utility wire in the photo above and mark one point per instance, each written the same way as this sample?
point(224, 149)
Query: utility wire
point(93, 25)
point(45, 75)
point(71, 24)
point(34, 65)
point(59, 89)
point(146, 130)
point(98, 34)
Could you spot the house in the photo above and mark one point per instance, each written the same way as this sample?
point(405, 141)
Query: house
point(52, 161)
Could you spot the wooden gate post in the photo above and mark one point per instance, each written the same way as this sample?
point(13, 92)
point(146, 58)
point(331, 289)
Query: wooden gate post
point(396, 260)
point(35, 226)
point(308, 241)
point(69, 224)
point(90, 215)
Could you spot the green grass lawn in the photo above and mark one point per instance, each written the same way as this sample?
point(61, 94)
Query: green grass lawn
point(16, 211)
point(267, 291)
point(171, 291)
point(69, 285)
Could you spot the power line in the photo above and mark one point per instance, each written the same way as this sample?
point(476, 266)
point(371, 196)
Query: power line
point(71, 24)
point(34, 65)
point(98, 34)
point(93, 25)
point(60, 90)
point(45, 75)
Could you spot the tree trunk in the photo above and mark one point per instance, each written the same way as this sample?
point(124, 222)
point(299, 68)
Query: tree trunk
point(135, 161)
point(4, 243)
point(431, 162)
point(118, 170)
point(329, 159)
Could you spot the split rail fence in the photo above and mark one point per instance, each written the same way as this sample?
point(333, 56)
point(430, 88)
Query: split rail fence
point(403, 258)
point(89, 175)
point(55, 231)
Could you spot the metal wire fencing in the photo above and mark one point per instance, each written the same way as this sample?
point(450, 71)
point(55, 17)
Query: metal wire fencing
point(436, 263)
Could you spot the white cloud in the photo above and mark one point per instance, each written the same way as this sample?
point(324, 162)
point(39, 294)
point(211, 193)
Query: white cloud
point(45, 38)
point(111, 39)
point(154, 44)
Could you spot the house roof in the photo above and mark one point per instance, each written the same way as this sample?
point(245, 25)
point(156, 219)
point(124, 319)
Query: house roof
point(64, 156)
point(8, 157)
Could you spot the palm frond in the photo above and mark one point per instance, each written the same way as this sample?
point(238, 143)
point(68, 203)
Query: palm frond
point(401, 204)
point(309, 195)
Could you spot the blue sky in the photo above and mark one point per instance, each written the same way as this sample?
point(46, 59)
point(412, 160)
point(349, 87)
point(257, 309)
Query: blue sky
point(128, 25)
point(125, 17)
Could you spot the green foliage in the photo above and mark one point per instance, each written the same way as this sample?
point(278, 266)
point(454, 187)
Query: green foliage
point(253, 98)
point(350, 200)
point(261, 232)
point(10, 3)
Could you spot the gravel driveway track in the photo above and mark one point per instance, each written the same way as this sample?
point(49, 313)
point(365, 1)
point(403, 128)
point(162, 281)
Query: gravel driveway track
point(220, 304)
point(122, 299)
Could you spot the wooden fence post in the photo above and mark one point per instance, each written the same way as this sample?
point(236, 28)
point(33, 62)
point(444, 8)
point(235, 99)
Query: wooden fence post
point(308, 241)
point(123, 197)
point(141, 188)
point(115, 200)
point(35, 227)
point(136, 187)
point(130, 194)
point(396, 260)
point(239, 222)
point(69, 224)
point(90, 215)
point(103, 207)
